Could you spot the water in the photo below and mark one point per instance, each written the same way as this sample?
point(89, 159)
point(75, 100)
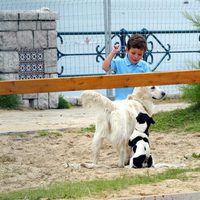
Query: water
point(133, 15)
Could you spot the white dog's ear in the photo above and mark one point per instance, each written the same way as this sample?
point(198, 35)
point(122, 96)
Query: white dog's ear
point(131, 97)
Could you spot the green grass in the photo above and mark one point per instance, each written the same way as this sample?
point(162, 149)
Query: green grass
point(196, 155)
point(180, 120)
point(90, 129)
point(72, 190)
point(46, 133)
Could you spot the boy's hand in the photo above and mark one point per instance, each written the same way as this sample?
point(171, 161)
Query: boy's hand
point(116, 48)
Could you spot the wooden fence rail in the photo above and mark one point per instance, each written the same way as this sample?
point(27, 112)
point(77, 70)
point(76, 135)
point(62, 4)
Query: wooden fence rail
point(98, 82)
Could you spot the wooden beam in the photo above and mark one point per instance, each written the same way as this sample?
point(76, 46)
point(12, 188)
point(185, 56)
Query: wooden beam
point(98, 82)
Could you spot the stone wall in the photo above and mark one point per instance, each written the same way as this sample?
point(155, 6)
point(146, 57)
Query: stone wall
point(28, 49)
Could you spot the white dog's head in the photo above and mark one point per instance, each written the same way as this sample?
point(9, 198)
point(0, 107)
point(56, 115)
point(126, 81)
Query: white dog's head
point(156, 92)
point(153, 92)
point(145, 96)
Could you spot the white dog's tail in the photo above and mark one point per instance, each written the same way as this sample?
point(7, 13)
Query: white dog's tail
point(95, 100)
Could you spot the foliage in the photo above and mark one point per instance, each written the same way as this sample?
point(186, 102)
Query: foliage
point(192, 92)
point(75, 190)
point(194, 19)
point(12, 101)
point(63, 103)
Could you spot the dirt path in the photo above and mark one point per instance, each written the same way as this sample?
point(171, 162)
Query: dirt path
point(33, 120)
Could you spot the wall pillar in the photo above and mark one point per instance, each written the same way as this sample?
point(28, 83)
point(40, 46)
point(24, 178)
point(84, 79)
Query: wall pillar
point(28, 49)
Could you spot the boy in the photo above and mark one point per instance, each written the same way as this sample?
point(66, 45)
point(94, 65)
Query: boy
point(131, 63)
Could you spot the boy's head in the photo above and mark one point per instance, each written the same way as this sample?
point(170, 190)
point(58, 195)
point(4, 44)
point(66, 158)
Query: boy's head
point(137, 41)
point(135, 48)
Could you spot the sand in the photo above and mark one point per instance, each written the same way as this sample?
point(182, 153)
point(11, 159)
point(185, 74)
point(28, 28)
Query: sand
point(28, 159)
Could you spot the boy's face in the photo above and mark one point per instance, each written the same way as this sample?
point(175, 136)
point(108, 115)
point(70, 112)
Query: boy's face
point(135, 55)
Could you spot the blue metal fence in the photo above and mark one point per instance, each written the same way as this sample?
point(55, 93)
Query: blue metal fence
point(165, 50)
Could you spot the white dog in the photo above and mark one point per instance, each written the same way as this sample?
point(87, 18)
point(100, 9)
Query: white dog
point(139, 142)
point(116, 120)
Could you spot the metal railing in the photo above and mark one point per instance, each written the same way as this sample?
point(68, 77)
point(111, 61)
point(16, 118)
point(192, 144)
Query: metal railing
point(152, 37)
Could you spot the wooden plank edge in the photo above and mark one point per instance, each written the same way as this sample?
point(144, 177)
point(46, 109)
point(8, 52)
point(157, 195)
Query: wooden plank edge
point(98, 82)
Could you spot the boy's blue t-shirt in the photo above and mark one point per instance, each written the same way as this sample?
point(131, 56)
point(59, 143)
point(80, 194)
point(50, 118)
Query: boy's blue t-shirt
point(124, 66)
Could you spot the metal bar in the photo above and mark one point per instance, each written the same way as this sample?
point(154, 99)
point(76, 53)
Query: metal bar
point(130, 32)
point(107, 29)
point(107, 26)
point(94, 54)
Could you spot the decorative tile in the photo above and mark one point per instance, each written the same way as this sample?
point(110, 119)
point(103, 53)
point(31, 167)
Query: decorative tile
point(31, 63)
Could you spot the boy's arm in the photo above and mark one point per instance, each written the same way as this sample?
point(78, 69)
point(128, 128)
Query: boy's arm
point(107, 62)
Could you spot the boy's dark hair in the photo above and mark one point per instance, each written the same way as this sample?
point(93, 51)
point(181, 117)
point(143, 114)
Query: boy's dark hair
point(137, 41)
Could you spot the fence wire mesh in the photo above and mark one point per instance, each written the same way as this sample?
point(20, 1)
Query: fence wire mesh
point(81, 30)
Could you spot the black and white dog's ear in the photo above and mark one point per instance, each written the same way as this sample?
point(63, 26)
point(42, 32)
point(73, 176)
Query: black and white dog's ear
point(152, 121)
point(130, 143)
point(138, 161)
point(134, 148)
point(150, 161)
point(134, 141)
point(141, 118)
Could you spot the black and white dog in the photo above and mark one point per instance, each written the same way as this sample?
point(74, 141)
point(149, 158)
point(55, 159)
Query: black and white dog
point(139, 142)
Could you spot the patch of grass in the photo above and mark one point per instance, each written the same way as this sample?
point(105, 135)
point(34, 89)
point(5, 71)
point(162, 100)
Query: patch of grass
point(196, 155)
point(12, 101)
point(90, 129)
point(63, 103)
point(46, 133)
point(191, 93)
point(180, 120)
point(74, 190)
point(21, 135)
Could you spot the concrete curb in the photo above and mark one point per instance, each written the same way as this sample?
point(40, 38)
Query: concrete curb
point(185, 196)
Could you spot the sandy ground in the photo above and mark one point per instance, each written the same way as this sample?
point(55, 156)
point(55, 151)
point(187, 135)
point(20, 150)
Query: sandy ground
point(31, 160)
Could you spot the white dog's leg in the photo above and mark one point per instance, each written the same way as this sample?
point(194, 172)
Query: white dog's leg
point(96, 146)
point(127, 155)
point(121, 157)
point(124, 155)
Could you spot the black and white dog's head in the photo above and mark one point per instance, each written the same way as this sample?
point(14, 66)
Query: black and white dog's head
point(139, 142)
point(144, 122)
